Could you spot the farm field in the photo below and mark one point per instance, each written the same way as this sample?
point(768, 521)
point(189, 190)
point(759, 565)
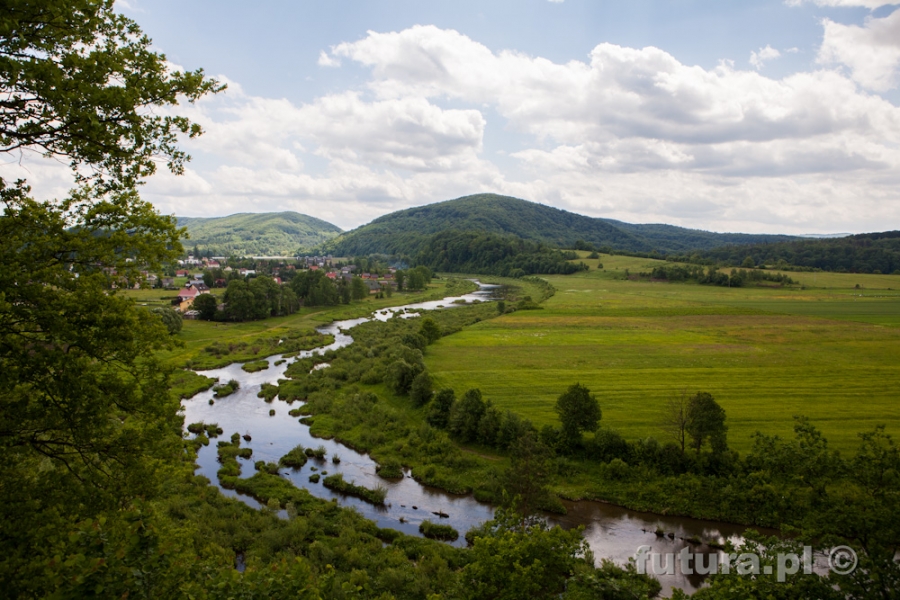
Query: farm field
point(766, 354)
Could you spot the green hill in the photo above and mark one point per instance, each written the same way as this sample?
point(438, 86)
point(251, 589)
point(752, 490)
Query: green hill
point(257, 234)
point(409, 231)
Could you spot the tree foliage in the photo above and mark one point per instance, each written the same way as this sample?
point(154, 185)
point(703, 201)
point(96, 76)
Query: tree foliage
point(84, 407)
point(578, 411)
point(705, 423)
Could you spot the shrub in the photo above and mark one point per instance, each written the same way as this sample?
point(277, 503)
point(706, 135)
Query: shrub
point(438, 532)
point(295, 459)
point(336, 482)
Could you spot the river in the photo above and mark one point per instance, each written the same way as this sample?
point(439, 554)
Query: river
point(612, 532)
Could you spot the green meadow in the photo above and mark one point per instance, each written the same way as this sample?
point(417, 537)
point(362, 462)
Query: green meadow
point(823, 348)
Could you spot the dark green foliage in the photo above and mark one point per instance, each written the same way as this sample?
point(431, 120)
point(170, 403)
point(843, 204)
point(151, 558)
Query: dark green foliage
point(863, 253)
point(268, 391)
point(390, 469)
point(317, 453)
point(257, 234)
point(705, 422)
point(313, 288)
point(501, 306)
point(526, 481)
point(489, 425)
point(264, 467)
point(401, 374)
point(259, 298)
point(226, 389)
point(358, 289)
point(465, 415)
point(256, 365)
point(207, 305)
point(606, 445)
point(512, 427)
point(170, 318)
point(712, 276)
point(314, 478)
point(441, 406)
point(421, 389)
point(336, 482)
point(409, 231)
point(513, 561)
point(430, 330)
point(578, 411)
point(438, 532)
point(295, 459)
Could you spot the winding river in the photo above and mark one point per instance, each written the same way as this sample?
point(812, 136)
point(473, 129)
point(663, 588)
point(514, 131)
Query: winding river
point(612, 532)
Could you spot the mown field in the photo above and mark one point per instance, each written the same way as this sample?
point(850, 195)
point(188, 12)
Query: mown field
point(823, 348)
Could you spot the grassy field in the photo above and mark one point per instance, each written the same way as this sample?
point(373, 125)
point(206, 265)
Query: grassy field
point(823, 348)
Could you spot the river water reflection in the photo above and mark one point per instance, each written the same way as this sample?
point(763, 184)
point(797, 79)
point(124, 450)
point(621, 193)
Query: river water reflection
point(613, 532)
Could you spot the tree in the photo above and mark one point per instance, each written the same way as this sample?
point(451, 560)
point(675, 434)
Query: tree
point(430, 330)
point(526, 480)
point(415, 280)
point(441, 407)
point(706, 422)
point(358, 289)
point(675, 419)
point(578, 411)
point(420, 391)
point(85, 413)
point(466, 414)
point(170, 318)
point(206, 305)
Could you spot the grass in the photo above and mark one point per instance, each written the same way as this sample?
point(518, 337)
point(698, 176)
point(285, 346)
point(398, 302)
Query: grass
point(256, 365)
point(336, 482)
point(766, 354)
point(438, 532)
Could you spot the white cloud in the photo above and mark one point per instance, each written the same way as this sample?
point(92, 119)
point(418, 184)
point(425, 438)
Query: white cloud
point(328, 61)
point(872, 52)
point(870, 4)
point(757, 59)
point(628, 133)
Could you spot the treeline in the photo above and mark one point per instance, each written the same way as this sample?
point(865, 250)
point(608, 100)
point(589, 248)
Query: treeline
point(864, 253)
point(712, 276)
point(494, 254)
point(262, 297)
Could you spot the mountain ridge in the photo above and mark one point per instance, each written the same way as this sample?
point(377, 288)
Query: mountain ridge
point(408, 230)
point(257, 234)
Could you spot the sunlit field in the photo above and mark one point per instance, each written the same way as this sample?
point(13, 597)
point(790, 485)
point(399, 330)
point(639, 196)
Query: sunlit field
point(823, 348)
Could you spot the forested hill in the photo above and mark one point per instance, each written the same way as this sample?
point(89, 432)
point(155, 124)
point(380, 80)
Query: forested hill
point(259, 234)
point(408, 231)
point(863, 253)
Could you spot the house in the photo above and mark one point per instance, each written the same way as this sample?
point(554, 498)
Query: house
point(220, 283)
point(213, 264)
point(278, 280)
point(168, 282)
point(373, 286)
point(331, 275)
point(187, 293)
point(182, 273)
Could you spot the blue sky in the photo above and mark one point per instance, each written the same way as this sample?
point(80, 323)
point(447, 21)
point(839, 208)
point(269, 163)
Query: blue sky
point(770, 116)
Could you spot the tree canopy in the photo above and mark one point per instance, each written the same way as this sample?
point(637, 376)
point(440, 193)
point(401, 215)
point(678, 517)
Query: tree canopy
point(84, 406)
point(578, 411)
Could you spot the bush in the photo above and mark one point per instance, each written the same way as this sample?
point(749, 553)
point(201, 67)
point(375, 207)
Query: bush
point(226, 389)
point(336, 482)
point(438, 532)
point(295, 459)
point(256, 365)
point(170, 318)
point(391, 469)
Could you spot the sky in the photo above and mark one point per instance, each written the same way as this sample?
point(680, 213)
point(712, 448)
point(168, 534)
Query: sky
point(778, 116)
